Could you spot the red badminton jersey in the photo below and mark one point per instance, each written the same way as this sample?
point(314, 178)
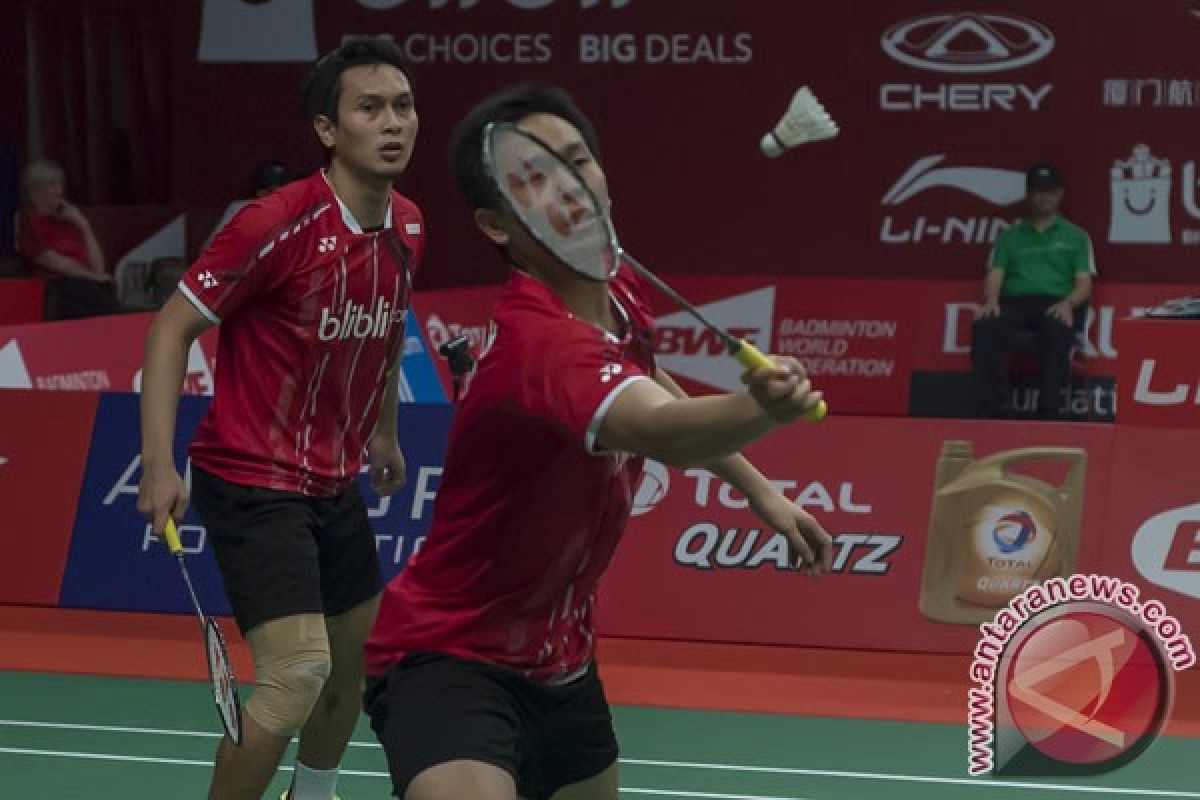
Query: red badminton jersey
point(528, 513)
point(312, 314)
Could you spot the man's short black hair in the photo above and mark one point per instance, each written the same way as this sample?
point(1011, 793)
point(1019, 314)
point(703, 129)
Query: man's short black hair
point(507, 105)
point(323, 88)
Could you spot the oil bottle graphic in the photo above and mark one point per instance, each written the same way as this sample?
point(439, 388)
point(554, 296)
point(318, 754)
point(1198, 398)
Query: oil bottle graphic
point(994, 532)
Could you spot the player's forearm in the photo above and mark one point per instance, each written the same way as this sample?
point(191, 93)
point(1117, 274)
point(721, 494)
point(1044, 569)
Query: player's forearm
point(701, 430)
point(162, 380)
point(1083, 289)
point(992, 286)
point(95, 255)
point(389, 406)
point(738, 472)
point(736, 469)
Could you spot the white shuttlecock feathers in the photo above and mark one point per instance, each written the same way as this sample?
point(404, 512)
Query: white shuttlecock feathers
point(806, 120)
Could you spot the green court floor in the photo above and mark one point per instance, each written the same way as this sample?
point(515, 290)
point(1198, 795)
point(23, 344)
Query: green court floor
point(66, 737)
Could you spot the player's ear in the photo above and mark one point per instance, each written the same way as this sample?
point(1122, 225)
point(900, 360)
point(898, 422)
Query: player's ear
point(490, 223)
point(324, 126)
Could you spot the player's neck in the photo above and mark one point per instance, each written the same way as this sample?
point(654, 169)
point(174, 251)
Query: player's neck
point(587, 300)
point(366, 197)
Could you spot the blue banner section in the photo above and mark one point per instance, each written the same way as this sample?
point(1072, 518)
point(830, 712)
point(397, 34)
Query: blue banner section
point(115, 563)
point(419, 379)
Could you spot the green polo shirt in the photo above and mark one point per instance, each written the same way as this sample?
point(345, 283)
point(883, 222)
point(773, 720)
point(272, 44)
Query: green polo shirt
point(1042, 262)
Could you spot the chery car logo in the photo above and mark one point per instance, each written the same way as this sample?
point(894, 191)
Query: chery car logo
point(967, 42)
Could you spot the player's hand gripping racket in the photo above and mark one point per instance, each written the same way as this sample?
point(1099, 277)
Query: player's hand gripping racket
point(555, 205)
point(220, 671)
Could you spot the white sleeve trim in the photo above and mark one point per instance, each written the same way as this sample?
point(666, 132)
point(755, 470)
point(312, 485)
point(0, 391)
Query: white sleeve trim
point(203, 309)
point(598, 418)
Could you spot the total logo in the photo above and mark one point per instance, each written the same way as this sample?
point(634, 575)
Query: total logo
point(997, 186)
point(656, 482)
point(1013, 531)
point(1140, 199)
point(685, 347)
point(966, 43)
point(356, 322)
point(1166, 550)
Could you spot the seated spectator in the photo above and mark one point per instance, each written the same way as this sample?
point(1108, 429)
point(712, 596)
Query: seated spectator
point(56, 241)
point(1039, 279)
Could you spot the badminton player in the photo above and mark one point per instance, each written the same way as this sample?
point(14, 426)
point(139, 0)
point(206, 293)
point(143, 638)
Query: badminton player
point(481, 664)
point(310, 285)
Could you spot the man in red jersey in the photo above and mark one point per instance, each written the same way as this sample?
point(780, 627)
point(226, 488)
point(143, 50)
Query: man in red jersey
point(311, 286)
point(483, 682)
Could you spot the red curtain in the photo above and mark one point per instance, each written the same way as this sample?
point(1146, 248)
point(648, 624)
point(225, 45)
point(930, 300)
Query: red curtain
point(99, 73)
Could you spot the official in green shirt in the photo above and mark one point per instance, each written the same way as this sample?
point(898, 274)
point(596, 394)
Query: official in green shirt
point(1039, 279)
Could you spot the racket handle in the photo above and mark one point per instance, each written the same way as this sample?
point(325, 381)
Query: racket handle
point(751, 357)
point(171, 534)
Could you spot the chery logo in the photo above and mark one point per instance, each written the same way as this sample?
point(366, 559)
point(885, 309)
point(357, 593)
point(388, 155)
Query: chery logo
point(967, 42)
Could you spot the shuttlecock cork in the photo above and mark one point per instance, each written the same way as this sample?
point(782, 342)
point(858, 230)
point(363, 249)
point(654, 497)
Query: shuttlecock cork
point(805, 120)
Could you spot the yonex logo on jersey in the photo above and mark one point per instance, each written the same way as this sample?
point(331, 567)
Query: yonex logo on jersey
point(326, 244)
point(610, 371)
point(356, 322)
point(207, 279)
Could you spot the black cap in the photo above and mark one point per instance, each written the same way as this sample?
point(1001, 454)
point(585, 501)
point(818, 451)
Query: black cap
point(1043, 175)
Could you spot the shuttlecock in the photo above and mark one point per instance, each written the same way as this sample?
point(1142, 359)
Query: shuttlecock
point(806, 120)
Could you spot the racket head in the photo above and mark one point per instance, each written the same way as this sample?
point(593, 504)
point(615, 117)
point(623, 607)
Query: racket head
point(224, 683)
point(551, 200)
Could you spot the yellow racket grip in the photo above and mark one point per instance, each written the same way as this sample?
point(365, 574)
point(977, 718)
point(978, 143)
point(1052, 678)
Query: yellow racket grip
point(171, 534)
point(751, 357)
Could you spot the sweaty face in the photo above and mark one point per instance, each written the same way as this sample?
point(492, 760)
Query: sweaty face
point(377, 122)
point(568, 142)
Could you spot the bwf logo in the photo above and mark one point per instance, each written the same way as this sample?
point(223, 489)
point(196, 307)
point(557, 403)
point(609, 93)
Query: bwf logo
point(685, 347)
point(356, 322)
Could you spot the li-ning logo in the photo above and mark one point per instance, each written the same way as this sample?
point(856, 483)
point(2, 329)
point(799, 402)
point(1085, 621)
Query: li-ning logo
point(356, 322)
point(1001, 187)
point(967, 42)
point(1013, 531)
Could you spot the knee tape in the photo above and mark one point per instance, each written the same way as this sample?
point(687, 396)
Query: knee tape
point(292, 663)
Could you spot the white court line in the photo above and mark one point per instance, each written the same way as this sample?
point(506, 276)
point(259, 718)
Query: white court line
point(817, 773)
point(681, 793)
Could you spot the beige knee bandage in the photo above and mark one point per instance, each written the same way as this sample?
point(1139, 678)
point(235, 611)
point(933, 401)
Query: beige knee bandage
point(291, 662)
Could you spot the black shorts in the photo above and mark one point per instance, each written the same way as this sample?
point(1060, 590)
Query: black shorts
point(283, 553)
point(432, 708)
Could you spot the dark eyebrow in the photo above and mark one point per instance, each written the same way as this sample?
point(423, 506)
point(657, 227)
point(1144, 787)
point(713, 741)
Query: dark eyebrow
point(405, 95)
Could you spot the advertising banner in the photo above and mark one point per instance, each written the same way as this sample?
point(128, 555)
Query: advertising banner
point(44, 439)
point(1153, 526)
point(105, 354)
point(1159, 372)
point(966, 99)
point(696, 564)
point(116, 563)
